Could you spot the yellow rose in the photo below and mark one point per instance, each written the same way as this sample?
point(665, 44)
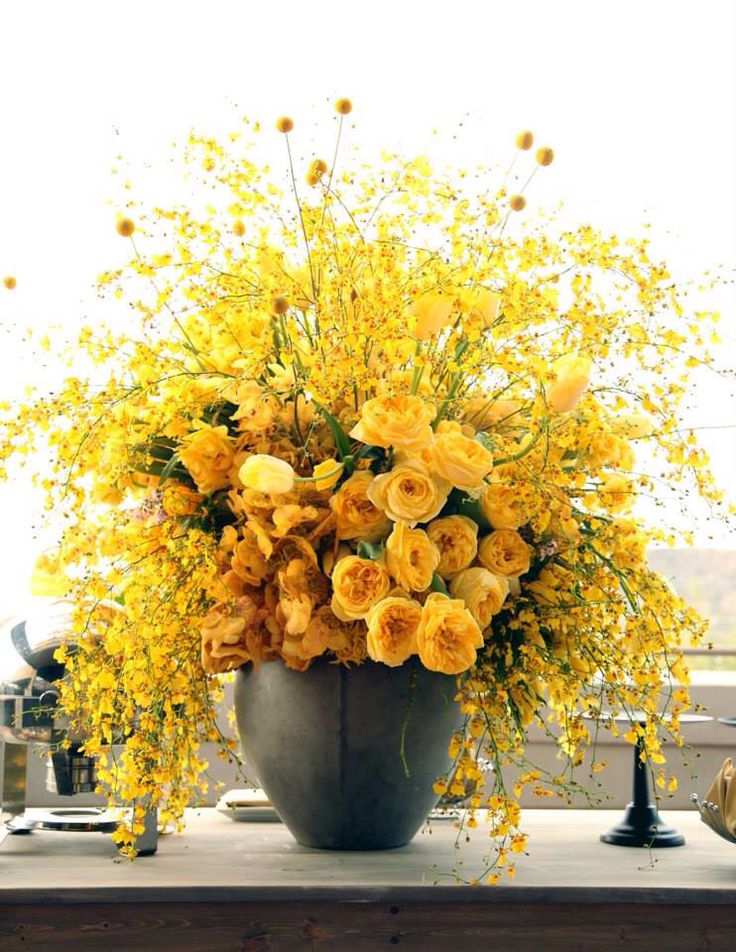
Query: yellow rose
point(357, 517)
point(456, 538)
point(402, 421)
point(502, 506)
point(411, 557)
point(267, 474)
point(326, 474)
point(409, 493)
point(357, 584)
point(571, 377)
point(448, 635)
point(429, 314)
point(208, 455)
point(392, 630)
point(483, 593)
point(460, 460)
point(504, 553)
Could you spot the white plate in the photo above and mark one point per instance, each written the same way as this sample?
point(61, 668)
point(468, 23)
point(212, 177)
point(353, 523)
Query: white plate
point(247, 805)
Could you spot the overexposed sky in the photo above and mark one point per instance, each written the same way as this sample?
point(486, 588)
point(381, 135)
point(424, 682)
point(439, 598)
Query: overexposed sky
point(637, 98)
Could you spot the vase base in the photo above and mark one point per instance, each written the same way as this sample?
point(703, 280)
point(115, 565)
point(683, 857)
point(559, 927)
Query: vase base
point(342, 847)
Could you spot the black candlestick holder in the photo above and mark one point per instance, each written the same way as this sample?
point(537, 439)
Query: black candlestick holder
point(641, 824)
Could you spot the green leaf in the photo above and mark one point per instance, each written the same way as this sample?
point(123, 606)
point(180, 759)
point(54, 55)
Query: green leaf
point(484, 439)
point(169, 468)
point(342, 443)
point(438, 584)
point(464, 505)
point(369, 550)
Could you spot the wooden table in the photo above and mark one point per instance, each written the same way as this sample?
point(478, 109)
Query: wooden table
point(250, 887)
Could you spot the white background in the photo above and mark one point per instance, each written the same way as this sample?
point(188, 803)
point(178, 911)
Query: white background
point(637, 98)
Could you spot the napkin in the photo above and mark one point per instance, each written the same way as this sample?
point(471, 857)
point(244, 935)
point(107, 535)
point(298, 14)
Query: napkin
point(239, 799)
point(722, 793)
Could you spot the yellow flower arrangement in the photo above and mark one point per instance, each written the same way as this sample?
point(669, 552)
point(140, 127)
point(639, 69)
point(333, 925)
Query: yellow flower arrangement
point(371, 423)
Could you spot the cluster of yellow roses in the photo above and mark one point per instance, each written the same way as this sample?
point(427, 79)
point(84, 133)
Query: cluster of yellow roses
point(370, 567)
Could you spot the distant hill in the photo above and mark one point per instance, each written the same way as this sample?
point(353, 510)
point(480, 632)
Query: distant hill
point(707, 579)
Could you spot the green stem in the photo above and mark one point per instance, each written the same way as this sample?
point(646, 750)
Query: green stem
point(527, 449)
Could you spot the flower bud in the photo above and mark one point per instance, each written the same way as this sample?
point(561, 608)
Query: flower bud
point(266, 474)
point(571, 377)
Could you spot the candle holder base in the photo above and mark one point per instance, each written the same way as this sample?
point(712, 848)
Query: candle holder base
point(642, 827)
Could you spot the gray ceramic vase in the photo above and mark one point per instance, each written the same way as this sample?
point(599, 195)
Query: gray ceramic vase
point(326, 745)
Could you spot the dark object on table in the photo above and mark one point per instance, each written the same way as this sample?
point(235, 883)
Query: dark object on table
point(29, 716)
point(641, 824)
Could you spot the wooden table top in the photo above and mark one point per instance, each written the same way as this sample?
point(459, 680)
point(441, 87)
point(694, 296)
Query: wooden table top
point(222, 860)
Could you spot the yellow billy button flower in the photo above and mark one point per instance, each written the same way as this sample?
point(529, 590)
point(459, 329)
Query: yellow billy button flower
point(357, 517)
point(401, 421)
point(238, 228)
point(504, 553)
point(448, 635)
point(524, 140)
point(429, 314)
point(457, 458)
point(544, 155)
point(571, 377)
point(266, 474)
point(392, 629)
point(9, 282)
point(279, 304)
point(411, 557)
point(517, 203)
point(125, 227)
point(326, 474)
point(357, 584)
point(456, 538)
point(409, 493)
point(343, 106)
point(284, 124)
point(483, 593)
